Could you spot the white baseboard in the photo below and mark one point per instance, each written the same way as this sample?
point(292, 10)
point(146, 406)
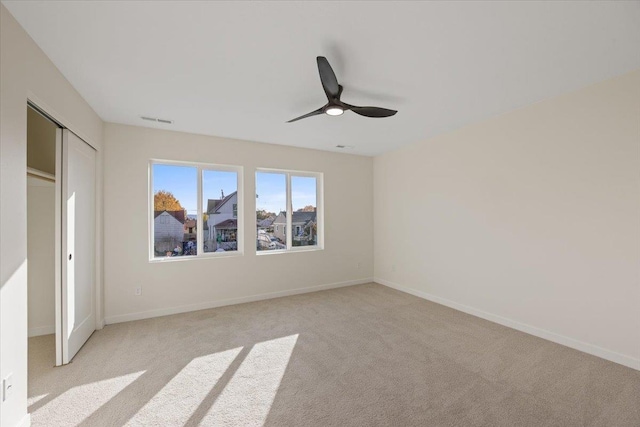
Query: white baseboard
point(25, 421)
point(230, 301)
point(42, 330)
point(532, 330)
point(48, 330)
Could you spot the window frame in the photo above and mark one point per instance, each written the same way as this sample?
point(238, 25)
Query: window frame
point(319, 176)
point(200, 167)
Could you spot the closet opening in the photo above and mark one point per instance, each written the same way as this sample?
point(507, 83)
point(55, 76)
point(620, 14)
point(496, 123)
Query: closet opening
point(43, 136)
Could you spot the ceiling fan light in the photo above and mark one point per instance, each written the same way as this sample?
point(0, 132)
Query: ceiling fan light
point(334, 111)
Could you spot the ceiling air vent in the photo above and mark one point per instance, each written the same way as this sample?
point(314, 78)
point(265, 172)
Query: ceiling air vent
point(155, 119)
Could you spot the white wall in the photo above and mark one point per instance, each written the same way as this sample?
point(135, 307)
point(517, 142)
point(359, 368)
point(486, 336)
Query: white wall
point(531, 219)
point(179, 285)
point(41, 242)
point(25, 72)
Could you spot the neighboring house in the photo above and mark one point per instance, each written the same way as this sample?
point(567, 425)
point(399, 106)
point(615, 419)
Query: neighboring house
point(303, 227)
point(279, 225)
point(190, 230)
point(168, 230)
point(227, 230)
point(223, 219)
point(266, 224)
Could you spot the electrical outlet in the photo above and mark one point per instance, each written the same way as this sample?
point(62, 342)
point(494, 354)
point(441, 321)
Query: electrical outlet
point(393, 268)
point(358, 266)
point(138, 291)
point(7, 387)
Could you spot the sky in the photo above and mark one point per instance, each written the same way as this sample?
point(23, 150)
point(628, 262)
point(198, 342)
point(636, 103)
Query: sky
point(182, 182)
point(270, 187)
point(271, 192)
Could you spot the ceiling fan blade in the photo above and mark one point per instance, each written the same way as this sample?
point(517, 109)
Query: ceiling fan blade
point(313, 113)
point(328, 78)
point(371, 111)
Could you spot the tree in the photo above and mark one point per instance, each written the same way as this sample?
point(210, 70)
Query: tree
point(166, 201)
point(307, 208)
point(263, 214)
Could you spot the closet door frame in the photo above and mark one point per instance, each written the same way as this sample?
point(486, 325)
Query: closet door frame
point(63, 122)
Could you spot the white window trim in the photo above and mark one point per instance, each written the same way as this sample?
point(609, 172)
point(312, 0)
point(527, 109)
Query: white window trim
point(319, 176)
point(200, 211)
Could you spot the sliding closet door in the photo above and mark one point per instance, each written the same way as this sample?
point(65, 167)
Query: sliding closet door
point(78, 243)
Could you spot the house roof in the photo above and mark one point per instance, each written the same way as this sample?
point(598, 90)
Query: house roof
point(214, 205)
point(266, 222)
point(299, 217)
point(179, 215)
point(227, 224)
point(303, 216)
point(190, 223)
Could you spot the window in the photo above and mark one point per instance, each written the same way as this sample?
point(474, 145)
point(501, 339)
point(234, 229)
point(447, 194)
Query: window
point(195, 210)
point(174, 201)
point(220, 195)
point(287, 201)
point(304, 218)
point(271, 208)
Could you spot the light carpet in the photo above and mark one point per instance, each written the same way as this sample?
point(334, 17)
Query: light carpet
point(363, 355)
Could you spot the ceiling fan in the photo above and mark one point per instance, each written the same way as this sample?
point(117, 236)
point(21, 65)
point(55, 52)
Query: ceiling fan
point(333, 90)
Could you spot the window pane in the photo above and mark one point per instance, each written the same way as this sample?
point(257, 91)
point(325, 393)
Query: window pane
point(175, 210)
point(220, 200)
point(271, 208)
point(304, 224)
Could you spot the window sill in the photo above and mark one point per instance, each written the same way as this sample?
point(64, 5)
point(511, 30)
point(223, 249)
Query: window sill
point(207, 255)
point(288, 251)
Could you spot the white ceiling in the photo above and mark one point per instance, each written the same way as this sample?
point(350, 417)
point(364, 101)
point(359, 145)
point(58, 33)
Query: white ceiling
point(241, 70)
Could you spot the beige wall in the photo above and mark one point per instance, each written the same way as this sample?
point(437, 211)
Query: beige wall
point(531, 219)
point(25, 73)
point(41, 255)
point(180, 285)
point(41, 145)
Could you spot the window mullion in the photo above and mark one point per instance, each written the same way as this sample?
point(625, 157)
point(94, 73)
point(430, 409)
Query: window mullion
point(319, 212)
point(289, 213)
point(151, 214)
point(199, 217)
